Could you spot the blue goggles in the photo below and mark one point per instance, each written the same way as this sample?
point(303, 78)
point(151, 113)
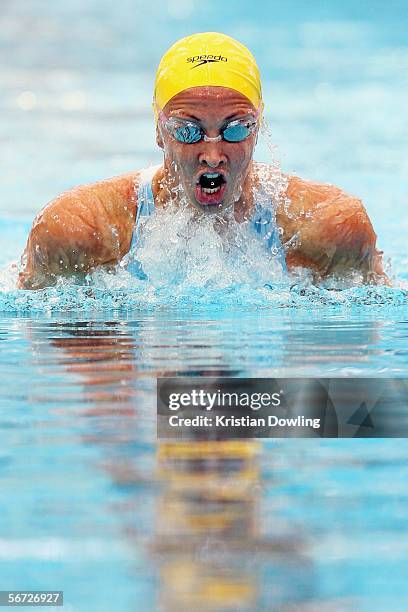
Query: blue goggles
point(189, 132)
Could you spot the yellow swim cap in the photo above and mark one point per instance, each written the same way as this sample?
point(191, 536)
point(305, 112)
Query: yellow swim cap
point(206, 59)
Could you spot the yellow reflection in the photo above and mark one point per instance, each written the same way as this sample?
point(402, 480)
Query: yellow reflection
point(207, 512)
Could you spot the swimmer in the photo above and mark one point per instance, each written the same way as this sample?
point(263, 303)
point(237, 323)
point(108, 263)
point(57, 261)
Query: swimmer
point(208, 107)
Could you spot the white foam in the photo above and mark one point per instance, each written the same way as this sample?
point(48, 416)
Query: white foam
point(181, 248)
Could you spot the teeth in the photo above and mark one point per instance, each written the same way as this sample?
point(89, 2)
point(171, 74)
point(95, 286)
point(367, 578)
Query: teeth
point(210, 176)
point(210, 190)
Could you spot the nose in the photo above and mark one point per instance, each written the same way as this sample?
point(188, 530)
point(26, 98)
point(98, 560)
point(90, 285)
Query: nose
point(212, 155)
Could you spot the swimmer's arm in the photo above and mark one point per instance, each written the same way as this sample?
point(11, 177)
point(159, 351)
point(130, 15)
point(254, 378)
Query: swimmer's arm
point(83, 228)
point(334, 234)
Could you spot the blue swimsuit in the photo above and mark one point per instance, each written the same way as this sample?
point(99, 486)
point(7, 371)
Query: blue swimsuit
point(263, 223)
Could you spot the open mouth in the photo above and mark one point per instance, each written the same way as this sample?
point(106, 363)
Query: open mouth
point(210, 188)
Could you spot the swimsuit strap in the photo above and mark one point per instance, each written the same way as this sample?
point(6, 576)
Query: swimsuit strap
point(264, 224)
point(145, 208)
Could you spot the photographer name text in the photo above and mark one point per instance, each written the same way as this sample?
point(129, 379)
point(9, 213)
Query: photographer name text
point(244, 421)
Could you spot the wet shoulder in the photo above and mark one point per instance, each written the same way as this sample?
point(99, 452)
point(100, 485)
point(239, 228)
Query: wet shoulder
point(295, 191)
point(307, 194)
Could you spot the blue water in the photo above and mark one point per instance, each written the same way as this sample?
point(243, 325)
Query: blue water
point(90, 503)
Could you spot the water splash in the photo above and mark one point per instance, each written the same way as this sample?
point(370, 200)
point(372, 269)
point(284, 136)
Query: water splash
point(193, 289)
point(193, 260)
point(183, 248)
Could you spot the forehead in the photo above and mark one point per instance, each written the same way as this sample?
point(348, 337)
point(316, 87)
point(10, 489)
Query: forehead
point(211, 102)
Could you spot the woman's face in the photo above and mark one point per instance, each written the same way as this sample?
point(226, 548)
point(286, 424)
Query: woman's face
point(212, 174)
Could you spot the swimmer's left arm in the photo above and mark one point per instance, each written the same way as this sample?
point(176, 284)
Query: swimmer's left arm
point(334, 233)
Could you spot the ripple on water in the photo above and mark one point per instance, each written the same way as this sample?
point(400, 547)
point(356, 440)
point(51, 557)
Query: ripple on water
point(68, 297)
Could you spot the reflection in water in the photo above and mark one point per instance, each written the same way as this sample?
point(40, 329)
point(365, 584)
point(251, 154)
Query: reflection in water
point(208, 525)
point(212, 552)
point(206, 522)
point(208, 545)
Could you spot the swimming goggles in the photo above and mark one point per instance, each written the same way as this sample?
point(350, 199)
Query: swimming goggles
point(189, 132)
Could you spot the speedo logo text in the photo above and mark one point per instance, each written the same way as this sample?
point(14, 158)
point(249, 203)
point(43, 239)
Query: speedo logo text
point(199, 60)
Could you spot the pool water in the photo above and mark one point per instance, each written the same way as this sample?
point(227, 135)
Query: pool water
point(91, 503)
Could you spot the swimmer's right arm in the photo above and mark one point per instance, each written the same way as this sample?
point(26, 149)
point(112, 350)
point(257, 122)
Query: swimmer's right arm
point(83, 228)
